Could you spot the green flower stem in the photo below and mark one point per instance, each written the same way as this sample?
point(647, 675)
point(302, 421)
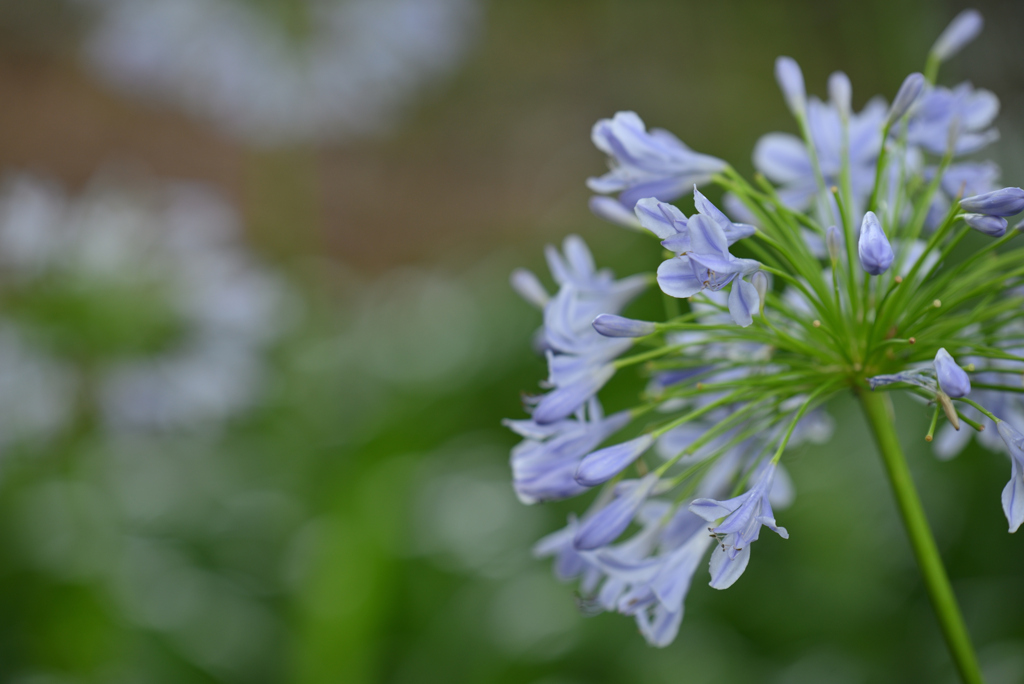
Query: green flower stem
point(939, 590)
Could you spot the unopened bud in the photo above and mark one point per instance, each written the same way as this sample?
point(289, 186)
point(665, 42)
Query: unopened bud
point(611, 325)
point(791, 82)
point(760, 282)
point(1002, 202)
point(816, 323)
point(840, 92)
point(876, 255)
point(905, 97)
point(952, 378)
point(964, 28)
point(993, 226)
point(937, 303)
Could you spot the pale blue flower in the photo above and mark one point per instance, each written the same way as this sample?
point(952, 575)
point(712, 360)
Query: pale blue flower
point(579, 358)
point(603, 526)
point(743, 517)
point(704, 262)
point(783, 157)
point(544, 464)
point(961, 116)
point(657, 602)
point(667, 222)
point(646, 163)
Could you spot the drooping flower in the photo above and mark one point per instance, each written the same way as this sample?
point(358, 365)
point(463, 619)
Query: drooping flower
point(579, 358)
point(743, 517)
point(646, 163)
point(1013, 493)
point(544, 464)
point(604, 525)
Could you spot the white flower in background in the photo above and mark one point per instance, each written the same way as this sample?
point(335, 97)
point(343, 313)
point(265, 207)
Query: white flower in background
point(134, 303)
point(285, 72)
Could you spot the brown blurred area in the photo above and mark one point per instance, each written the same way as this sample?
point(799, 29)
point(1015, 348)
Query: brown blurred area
point(494, 155)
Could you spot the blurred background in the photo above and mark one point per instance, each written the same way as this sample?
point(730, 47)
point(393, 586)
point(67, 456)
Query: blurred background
point(256, 341)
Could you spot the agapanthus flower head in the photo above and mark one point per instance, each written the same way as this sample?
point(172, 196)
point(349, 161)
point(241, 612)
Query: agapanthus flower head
point(851, 275)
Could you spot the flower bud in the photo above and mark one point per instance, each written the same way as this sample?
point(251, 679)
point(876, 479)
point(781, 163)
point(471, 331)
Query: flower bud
point(611, 325)
point(834, 243)
point(791, 82)
point(964, 28)
point(1004, 202)
point(527, 286)
point(993, 226)
point(952, 378)
point(875, 253)
point(760, 281)
point(841, 93)
point(604, 464)
point(905, 97)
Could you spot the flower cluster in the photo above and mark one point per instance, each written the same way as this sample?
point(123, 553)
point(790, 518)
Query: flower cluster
point(133, 305)
point(279, 73)
point(871, 256)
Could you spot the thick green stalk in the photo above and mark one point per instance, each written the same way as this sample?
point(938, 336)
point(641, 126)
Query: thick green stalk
point(936, 581)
